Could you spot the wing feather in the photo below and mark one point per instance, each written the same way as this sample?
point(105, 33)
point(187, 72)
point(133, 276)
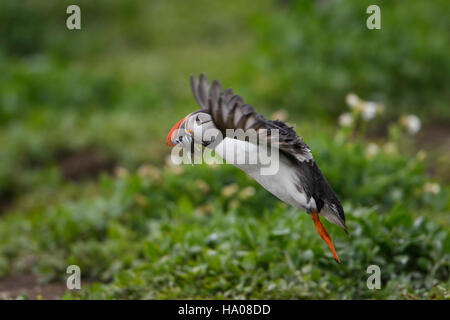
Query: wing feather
point(229, 111)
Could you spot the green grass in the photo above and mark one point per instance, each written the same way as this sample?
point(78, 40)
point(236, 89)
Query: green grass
point(76, 106)
point(165, 233)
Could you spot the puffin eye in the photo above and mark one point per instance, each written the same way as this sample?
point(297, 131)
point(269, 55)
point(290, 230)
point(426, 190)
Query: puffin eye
point(180, 139)
point(197, 120)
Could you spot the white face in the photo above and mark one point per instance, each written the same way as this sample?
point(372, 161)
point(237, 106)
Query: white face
point(198, 127)
point(202, 126)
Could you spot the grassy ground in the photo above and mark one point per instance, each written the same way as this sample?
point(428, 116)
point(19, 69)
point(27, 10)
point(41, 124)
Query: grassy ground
point(83, 175)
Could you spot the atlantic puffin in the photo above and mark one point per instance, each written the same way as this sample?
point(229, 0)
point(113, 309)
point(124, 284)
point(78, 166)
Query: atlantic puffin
point(298, 180)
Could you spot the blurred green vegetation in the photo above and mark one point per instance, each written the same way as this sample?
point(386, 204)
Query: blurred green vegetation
point(83, 119)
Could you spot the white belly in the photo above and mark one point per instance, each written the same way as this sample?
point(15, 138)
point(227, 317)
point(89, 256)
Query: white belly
point(283, 183)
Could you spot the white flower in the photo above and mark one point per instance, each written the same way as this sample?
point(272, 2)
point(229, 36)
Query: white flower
point(229, 190)
point(397, 194)
point(202, 185)
point(149, 171)
point(390, 148)
point(213, 237)
point(411, 123)
point(352, 100)
point(431, 188)
point(345, 120)
point(371, 150)
point(247, 193)
point(369, 110)
point(414, 124)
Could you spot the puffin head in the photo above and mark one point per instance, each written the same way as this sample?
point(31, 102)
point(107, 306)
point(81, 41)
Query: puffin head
point(196, 127)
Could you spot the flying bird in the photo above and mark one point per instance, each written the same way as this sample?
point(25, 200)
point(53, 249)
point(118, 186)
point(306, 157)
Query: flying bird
point(298, 180)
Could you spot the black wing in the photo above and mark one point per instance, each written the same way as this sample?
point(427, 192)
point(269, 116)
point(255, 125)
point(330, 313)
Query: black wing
point(229, 111)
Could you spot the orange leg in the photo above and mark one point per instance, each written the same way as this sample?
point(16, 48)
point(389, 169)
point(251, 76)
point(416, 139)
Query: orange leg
point(324, 234)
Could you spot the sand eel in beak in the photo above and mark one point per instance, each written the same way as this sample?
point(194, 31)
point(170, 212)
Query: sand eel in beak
point(298, 180)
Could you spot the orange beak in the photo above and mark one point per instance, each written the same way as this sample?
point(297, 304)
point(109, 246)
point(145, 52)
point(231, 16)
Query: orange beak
point(169, 136)
point(324, 234)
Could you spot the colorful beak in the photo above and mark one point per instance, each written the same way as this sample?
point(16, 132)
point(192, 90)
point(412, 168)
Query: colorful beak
point(169, 136)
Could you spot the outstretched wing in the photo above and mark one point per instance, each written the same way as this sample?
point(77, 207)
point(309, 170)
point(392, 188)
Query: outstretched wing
point(229, 111)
